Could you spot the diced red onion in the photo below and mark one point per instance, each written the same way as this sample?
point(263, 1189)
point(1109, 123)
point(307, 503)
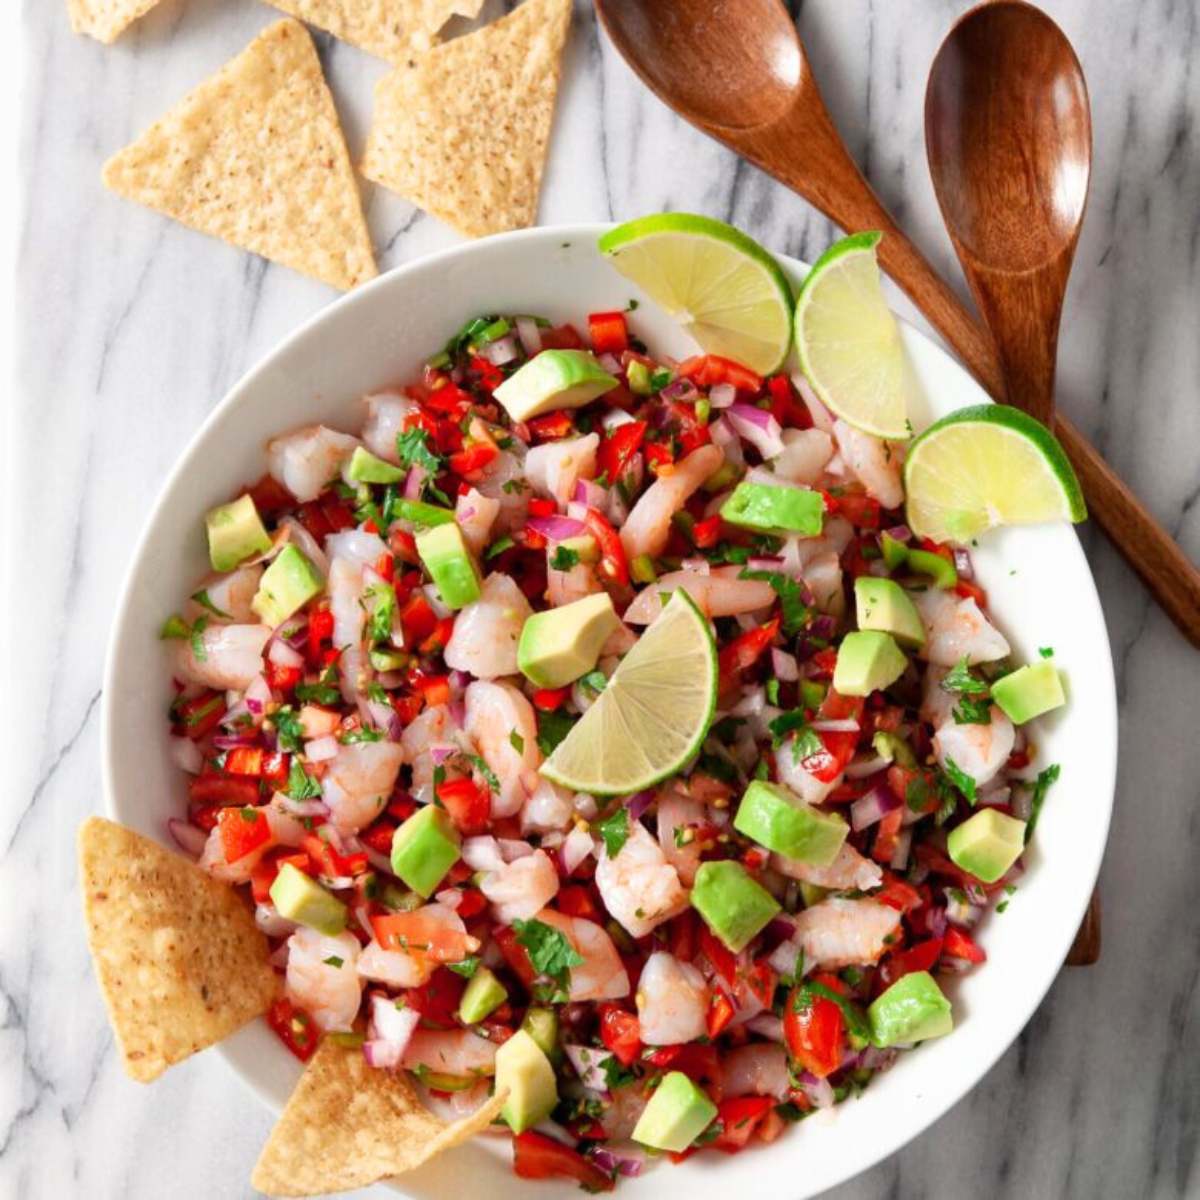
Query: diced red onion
point(765, 562)
point(258, 695)
point(899, 859)
point(465, 514)
point(457, 373)
point(962, 563)
point(757, 426)
point(529, 334)
point(723, 435)
point(482, 853)
point(439, 606)
point(975, 893)
point(382, 1056)
point(785, 957)
point(459, 681)
point(186, 755)
point(449, 897)
point(610, 362)
point(457, 710)
point(899, 533)
point(836, 725)
point(722, 395)
point(442, 752)
point(587, 1062)
point(959, 909)
point(589, 493)
point(638, 803)
point(270, 923)
point(513, 848)
point(380, 862)
point(336, 883)
point(628, 1165)
point(824, 626)
point(819, 1091)
point(766, 1025)
point(188, 837)
point(993, 796)
point(556, 528)
point(502, 350)
point(395, 729)
point(413, 481)
point(747, 621)
point(302, 808)
point(577, 845)
point(321, 749)
point(875, 1059)
point(784, 665)
point(935, 922)
point(862, 767)
point(231, 741)
point(872, 807)
point(683, 390)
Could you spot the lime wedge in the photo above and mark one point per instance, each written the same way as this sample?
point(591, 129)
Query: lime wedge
point(848, 340)
point(652, 716)
point(986, 466)
point(722, 286)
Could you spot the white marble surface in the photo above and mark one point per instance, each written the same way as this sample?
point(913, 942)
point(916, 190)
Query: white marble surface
point(131, 328)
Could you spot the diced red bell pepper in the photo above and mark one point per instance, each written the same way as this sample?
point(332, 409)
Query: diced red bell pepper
point(816, 1032)
point(739, 1117)
point(550, 699)
point(562, 337)
point(434, 689)
point(707, 533)
point(609, 332)
point(515, 954)
point(489, 375)
point(658, 456)
point(320, 630)
point(707, 370)
point(536, 1156)
point(719, 1014)
point(862, 511)
point(720, 957)
point(786, 405)
point(837, 748)
point(620, 1033)
point(245, 760)
point(541, 506)
point(403, 545)
point(612, 566)
point(438, 999)
point(200, 715)
point(575, 900)
point(329, 862)
point(760, 979)
point(439, 639)
point(473, 459)
point(887, 835)
point(280, 678)
point(294, 1027)
point(448, 398)
point(919, 957)
point(618, 448)
point(243, 830)
point(467, 803)
point(225, 790)
point(970, 590)
point(897, 894)
point(417, 618)
point(379, 835)
point(407, 708)
point(744, 651)
point(385, 566)
point(958, 944)
point(473, 902)
point(552, 426)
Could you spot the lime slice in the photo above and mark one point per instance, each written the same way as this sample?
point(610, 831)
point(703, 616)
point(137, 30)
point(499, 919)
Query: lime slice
point(986, 466)
point(849, 343)
point(722, 286)
point(652, 716)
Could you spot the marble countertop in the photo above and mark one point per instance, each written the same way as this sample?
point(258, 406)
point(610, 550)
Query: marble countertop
point(131, 328)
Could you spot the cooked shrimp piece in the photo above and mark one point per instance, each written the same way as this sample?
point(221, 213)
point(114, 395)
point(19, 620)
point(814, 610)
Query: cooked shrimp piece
point(623, 1111)
point(756, 1070)
point(358, 782)
point(433, 727)
point(791, 773)
point(232, 656)
point(386, 412)
point(848, 870)
point(979, 750)
point(565, 587)
point(955, 628)
point(212, 859)
point(548, 808)
point(873, 462)
point(681, 848)
point(304, 542)
point(844, 933)
point(804, 455)
point(486, 632)
point(306, 461)
point(823, 574)
point(639, 887)
point(494, 712)
point(601, 975)
point(672, 1000)
point(719, 593)
point(345, 587)
point(231, 593)
point(937, 704)
point(456, 1052)
point(408, 968)
point(475, 514)
point(356, 546)
point(519, 888)
point(649, 524)
point(503, 479)
point(554, 468)
point(322, 977)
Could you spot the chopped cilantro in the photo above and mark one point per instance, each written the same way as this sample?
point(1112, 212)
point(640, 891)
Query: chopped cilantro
point(916, 793)
point(552, 728)
point(375, 692)
point(1046, 651)
point(198, 651)
point(379, 626)
point(960, 779)
point(466, 968)
point(301, 785)
point(1040, 787)
point(517, 742)
point(174, 627)
point(203, 599)
point(856, 1023)
point(615, 1075)
point(549, 951)
point(806, 742)
point(614, 829)
point(513, 486)
point(795, 611)
point(333, 961)
point(969, 711)
point(961, 682)
point(564, 558)
point(594, 681)
point(412, 448)
point(324, 691)
point(499, 546)
point(489, 776)
point(362, 734)
point(288, 730)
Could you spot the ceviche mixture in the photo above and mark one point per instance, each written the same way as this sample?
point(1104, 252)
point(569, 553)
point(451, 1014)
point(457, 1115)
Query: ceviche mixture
point(382, 693)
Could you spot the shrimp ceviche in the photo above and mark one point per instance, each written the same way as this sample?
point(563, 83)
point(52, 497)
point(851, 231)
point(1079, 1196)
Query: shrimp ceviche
point(420, 639)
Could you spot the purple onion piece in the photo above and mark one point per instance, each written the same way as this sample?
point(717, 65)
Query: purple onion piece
point(873, 807)
point(638, 803)
point(681, 389)
point(556, 528)
point(899, 533)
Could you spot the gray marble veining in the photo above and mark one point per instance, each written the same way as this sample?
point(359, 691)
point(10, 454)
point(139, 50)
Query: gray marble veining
point(131, 328)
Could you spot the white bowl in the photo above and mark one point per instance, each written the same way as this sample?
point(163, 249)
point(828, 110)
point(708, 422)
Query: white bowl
point(1039, 586)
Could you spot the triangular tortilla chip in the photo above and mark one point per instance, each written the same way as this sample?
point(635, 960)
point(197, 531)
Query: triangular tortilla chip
point(348, 1125)
point(389, 29)
point(180, 962)
point(106, 20)
point(255, 156)
point(463, 132)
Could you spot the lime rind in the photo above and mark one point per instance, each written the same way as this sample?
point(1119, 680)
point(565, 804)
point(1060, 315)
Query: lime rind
point(986, 466)
point(632, 737)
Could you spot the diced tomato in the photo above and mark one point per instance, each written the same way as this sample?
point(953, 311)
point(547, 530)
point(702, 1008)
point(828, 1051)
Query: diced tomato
point(919, 957)
point(434, 689)
point(223, 789)
point(822, 664)
point(200, 715)
point(706, 370)
point(473, 902)
point(245, 760)
point(294, 1027)
point(786, 405)
point(700, 1062)
point(739, 1117)
point(897, 894)
point(417, 618)
point(204, 816)
point(385, 566)
point(837, 748)
point(760, 979)
point(658, 455)
point(536, 1156)
point(887, 834)
point(971, 591)
point(816, 1032)
point(264, 873)
point(320, 630)
point(691, 433)
point(407, 708)
point(515, 954)
point(744, 651)
point(275, 768)
point(683, 935)
point(719, 1014)
point(467, 802)
point(438, 999)
point(379, 836)
point(541, 506)
point(282, 679)
point(531, 539)
point(860, 510)
point(562, 337)
point(465, 462)
point(403, 545)
point(618, 448)
point(448, 398)
point(707, 533)
point(720, 957)
point(270, 496)
point(549, 699)
point(243, 830)
point(551, 427)
point(489, 375)
point(958, 944)
point(609, 332)
point(612, 565)
point(329, 862)
point(439, 639)
point(415, 933)
point(576, 901)
point(620, 1033)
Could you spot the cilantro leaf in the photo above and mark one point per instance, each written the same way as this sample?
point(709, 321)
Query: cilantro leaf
point(960, 779)
point(412, 448)
point(362, 734)
point(961, 682)
point(549, 951)
point(301, 785)
point(806, 743)
point(198, 650)
point(1041, 786)
point(564, 558)
point(288, 731)
point(489, 776)
point(969, 711)
point(807, 992)
point(1046, 651)
point(594, 681)
point(379, 625)
point(466, 968)
point(499, 546)
point(203, 599)
point(175, 627)
point(552, 728)
point(615, 1075)
point(614, 829)
point(791, 598)
point(517, 742)
point(916, 793)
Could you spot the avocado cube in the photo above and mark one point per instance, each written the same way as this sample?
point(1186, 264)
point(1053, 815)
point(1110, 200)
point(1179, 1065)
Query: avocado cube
point(235, 532)
point(867, 661)
point(775, 510)
point(365, 467)
point(734, 906)
point(450, 564)
point(420, 513)
point(1029, 691)
point(524, 1071)
point(299, 898)
point(678, 1112)
point(895, 553)
point(883, 605)
point(551, 380)
point(986, 844)
point(913, 1009)
point(483, 994)
point(288, 584)
point(542, 1025)
point(894, 748)
point(561, 644)
point(771, 816)
point(424, 848)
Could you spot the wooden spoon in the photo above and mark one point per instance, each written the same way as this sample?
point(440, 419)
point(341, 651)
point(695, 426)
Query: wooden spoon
point(1008, 131)
point(737, 70)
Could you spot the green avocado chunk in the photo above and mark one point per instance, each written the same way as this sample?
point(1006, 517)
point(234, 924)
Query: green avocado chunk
point(677, 1113)
point(771, 816)
point(542, 1025)
point(299, 898)
point(1029, 691)
point(734, 906)
point(523, 1069)
point(883, 605)
point(289, 583)
point(450, 564)
point(987, 844)
point(235, 532)
point(913, 1009)
point(554, 379)
point(483, 994)
point(365, 467)
point(867, 661)
point(424, 848)
point(559, 645)
point(776, 510)
point(420, 513)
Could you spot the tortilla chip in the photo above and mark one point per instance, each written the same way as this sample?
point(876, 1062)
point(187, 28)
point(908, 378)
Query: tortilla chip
point(106, 20)
point(463, 132)
point(348, 1125)
point(255, 156)
point(176, 952)
point(389, 29)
